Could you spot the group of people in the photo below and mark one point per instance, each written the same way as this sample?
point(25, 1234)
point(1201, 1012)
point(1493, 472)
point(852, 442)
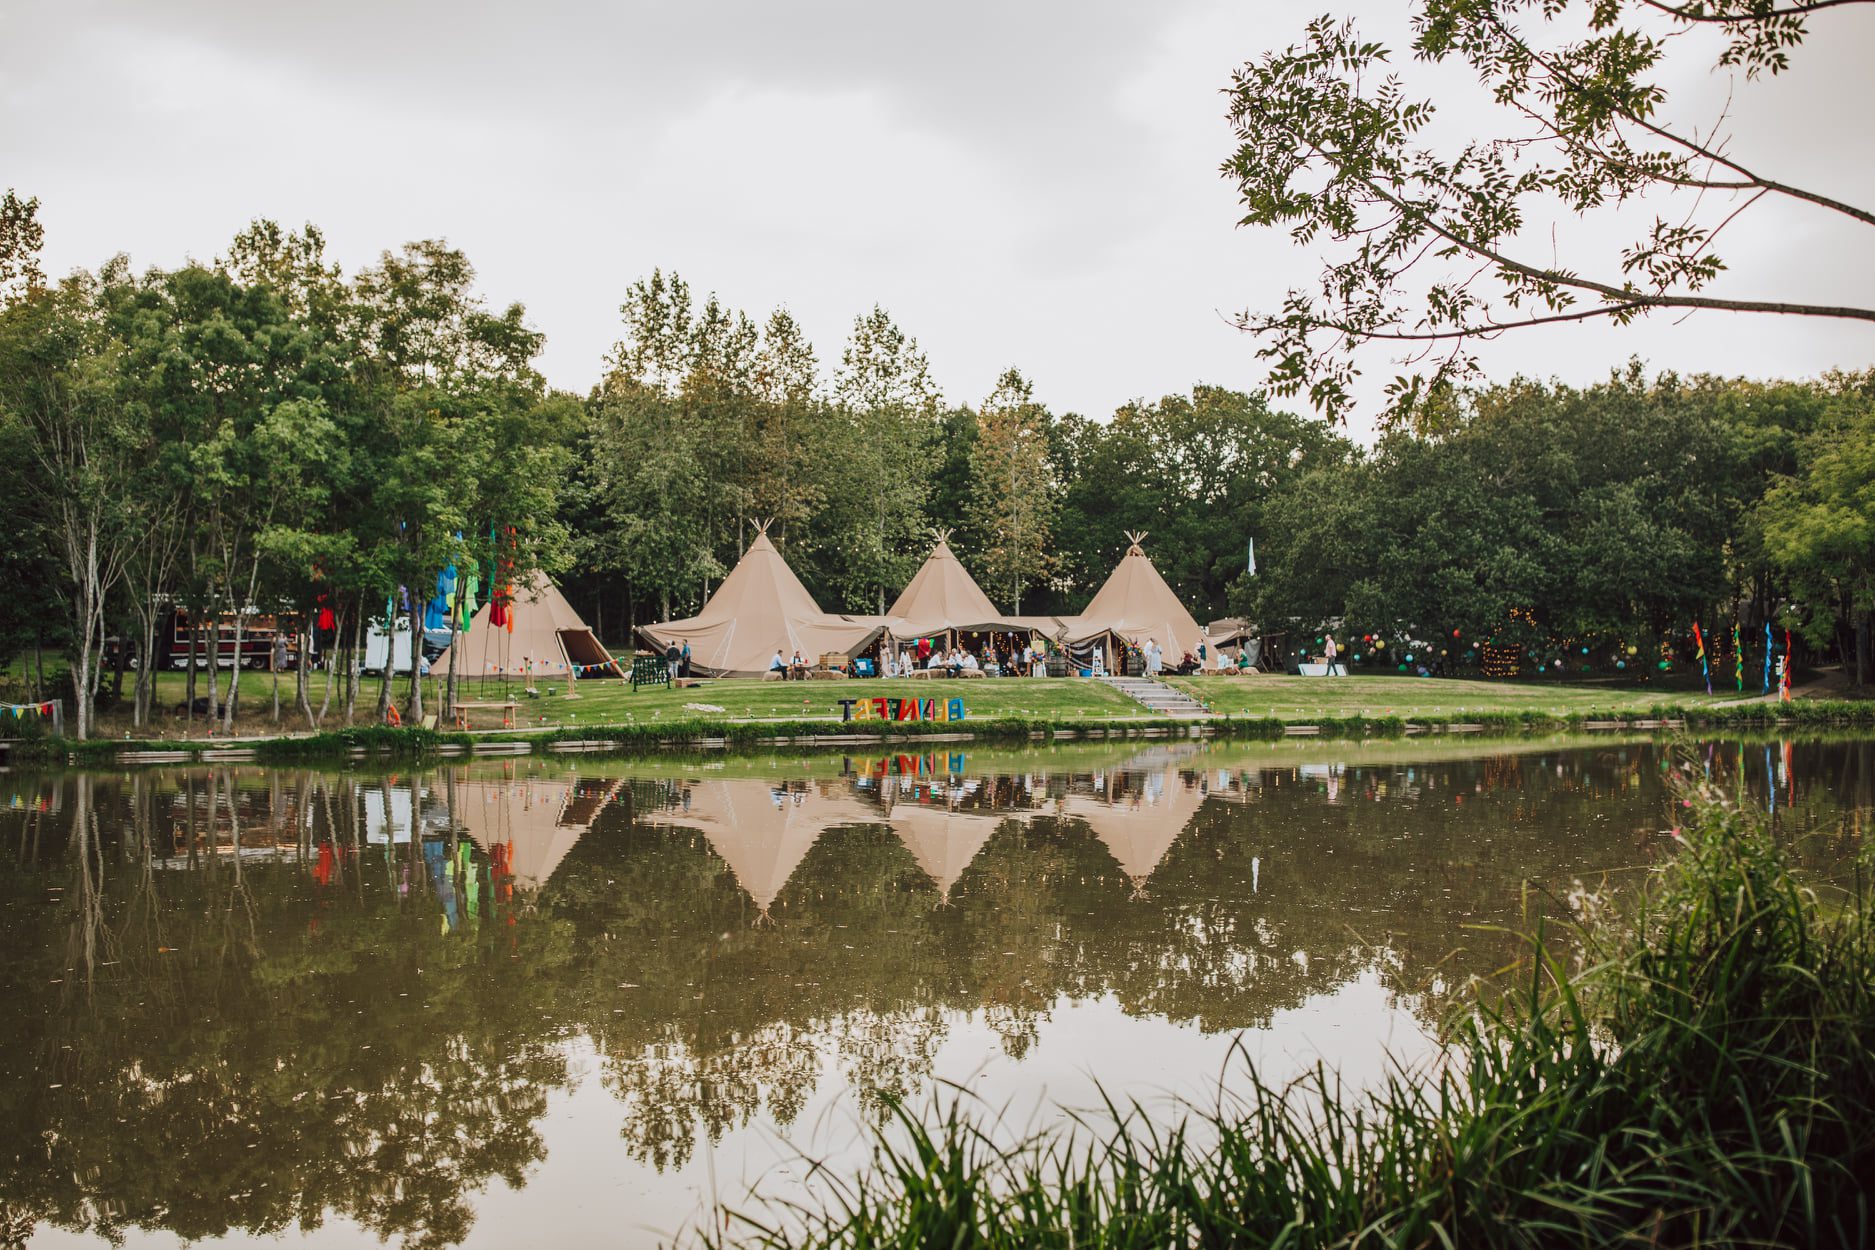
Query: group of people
point(678, 659)
point(790, 670)
point(1029, 660)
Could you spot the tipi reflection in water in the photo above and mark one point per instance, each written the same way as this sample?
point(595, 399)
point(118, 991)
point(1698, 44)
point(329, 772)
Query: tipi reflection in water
point(1138, 815)
point(526, 826)
point(944, 840)
point(763, 829)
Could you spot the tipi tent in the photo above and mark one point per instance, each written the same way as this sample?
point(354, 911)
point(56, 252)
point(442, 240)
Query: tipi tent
point(536, 821)
point(543, 637)
point(762, 831)
point(761, 608)
point(941, 597)
point(1135, 604)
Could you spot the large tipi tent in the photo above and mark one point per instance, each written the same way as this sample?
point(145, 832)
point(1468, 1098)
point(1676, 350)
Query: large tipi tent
point(546, 638)
point(761, 608)
point(1135, 604)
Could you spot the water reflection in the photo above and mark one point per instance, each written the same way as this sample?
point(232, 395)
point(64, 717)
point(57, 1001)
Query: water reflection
point(343, 1005)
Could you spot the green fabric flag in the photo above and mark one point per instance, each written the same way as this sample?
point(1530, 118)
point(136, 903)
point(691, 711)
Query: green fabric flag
point(465, 596)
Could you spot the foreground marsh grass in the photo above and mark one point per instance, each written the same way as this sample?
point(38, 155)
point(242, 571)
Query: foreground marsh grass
point(1699, 1073)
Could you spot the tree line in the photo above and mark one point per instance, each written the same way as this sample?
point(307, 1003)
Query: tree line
point(265, 430)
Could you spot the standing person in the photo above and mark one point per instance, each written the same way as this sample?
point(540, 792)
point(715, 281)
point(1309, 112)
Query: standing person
point(673, 660)
point(924, 653)
point(685, 661)
point(1330, 652)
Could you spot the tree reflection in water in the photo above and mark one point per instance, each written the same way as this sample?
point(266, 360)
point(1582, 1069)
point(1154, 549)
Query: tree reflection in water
point(252, 1000)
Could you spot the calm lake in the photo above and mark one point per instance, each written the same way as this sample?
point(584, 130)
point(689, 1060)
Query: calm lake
point(579, 1000)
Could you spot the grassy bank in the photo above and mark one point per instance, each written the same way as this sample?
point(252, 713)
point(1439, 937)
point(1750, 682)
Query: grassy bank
point(1701, 1073)
point(1018, 723)
point(1266, 695)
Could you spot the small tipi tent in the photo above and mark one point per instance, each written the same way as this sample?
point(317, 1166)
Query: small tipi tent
point(760, 608)
point(542, 636)
point(1135, 604)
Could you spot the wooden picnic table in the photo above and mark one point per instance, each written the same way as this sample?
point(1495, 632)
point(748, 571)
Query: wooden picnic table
point(507, 708)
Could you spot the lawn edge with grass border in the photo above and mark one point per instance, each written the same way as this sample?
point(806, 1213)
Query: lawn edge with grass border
point(639, 738)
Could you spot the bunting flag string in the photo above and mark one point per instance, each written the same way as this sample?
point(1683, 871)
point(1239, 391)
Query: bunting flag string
point(24, 710)
point(1738, 657)
point(1783, 684)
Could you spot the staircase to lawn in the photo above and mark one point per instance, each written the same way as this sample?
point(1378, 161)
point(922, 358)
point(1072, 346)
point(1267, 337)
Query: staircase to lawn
point(1157, 697)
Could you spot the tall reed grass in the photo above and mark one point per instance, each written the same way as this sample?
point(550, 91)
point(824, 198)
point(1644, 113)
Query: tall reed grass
point(1696, 1070)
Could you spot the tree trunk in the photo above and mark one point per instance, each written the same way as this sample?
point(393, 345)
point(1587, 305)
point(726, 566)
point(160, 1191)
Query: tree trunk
point(117, 668)
point(415, 706)
point(240, 619)
point(1862, 646)
point(384, 674)
point(325, 700)
point(212, 632)
point(90, 614)
point(188, 688)
point(302, 689)
point(353, 661)
point(146, 668)
point(449, 682)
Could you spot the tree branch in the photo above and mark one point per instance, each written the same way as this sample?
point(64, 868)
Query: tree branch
point(1699, 13)
point(1575, 84)
point(1485, 330)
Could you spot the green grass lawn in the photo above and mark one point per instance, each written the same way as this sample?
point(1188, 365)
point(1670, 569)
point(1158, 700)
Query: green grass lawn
point(609, 702)
point(1290, 697)
point(605, 701)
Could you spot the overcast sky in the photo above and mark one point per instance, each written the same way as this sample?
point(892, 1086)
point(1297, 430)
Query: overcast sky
point(1018, 183)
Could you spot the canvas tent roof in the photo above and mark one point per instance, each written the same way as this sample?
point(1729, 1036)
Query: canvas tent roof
point(548, 639)
point(1136, 604)
point(942, 596)
point(761, 608)
point(762, 831)
point(538, 820)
